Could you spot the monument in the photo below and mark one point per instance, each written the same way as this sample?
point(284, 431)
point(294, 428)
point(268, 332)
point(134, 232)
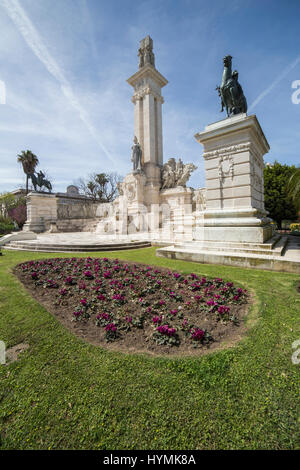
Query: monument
point(224, 223)
point(233, 154)
point(234, 219)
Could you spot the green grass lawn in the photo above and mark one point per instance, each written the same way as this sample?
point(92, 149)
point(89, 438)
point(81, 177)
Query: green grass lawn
point(63, 393)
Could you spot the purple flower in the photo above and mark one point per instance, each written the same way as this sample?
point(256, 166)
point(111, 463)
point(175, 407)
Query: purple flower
point(156, 319)
point(82, 285)
point(104, 316)
point(101, 297)
point(77, 313)
point(166, 330)
point(69, 280)
point(197, 334)
point(88, 274)
point(111, 327)
point(223, 309)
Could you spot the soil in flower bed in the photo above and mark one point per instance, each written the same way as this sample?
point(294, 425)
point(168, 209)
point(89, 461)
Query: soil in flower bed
point(133, 307)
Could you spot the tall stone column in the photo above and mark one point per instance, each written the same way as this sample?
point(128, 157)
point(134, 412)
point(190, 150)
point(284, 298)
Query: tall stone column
point(147, 83)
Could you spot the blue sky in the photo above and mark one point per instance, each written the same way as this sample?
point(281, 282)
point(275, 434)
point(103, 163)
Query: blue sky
point(65, 63)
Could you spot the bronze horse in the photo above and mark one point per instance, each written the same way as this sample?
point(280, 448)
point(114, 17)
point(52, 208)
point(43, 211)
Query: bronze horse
point(230, 91)
point(40, 181)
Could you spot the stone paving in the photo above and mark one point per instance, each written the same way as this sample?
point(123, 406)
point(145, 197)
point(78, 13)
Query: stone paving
point(289, 261)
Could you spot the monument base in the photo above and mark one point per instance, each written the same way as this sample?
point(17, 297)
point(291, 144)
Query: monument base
point(233, 154)
point(242, 225)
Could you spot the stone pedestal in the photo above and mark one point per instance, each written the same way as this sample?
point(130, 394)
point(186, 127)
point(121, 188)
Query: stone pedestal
point(134, 202)
point(233, 153)
point(41, 212)
point(180, 217)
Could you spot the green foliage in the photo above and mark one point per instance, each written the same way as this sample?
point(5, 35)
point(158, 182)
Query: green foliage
point(294, 188)
point(295, 227)
point(64, 393)
point(278, 202)
point(29, 161)
point(6, 225)
point(13, 208)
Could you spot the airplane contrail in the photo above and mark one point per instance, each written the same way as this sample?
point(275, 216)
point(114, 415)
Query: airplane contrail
point(280, 77)
point(36, 44)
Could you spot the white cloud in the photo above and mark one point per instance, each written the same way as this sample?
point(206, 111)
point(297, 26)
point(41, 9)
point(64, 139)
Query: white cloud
point(35, 42)
point(273, 85)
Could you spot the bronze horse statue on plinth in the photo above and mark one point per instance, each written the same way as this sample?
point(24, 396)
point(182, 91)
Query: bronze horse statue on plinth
point(40, 181)
point(230, 91)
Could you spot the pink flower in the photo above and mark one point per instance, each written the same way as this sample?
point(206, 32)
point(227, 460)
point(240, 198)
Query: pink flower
point(111, 327)
point(157, 319)
point(101, 297)
point(166, 330)
point(197, 334)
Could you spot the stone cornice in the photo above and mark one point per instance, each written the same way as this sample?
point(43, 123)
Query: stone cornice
point(222, 152)
point(234, 125)
point(148, 71)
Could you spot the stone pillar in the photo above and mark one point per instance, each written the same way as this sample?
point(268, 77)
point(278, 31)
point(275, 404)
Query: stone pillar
point(233, 153)
point(147, 99)
point(159, 133)
point(149, 133)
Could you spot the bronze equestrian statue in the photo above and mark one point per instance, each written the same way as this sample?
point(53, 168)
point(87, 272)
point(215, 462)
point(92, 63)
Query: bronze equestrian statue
point(38, 179)
point(230, 91)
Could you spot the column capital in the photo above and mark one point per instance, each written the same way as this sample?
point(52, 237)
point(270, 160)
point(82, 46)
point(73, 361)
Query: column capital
point(140, 94)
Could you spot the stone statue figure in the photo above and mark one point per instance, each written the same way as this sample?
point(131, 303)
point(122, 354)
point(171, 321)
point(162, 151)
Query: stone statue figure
point(230, 91)
point(185, 174)
point(168, 174)
point(136, 155)
point(176, 174)
point(146, 55)
point(141, 58)
point(120, 188)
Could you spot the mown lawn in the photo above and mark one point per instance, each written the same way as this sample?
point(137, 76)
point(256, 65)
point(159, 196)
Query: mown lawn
point(63, 393)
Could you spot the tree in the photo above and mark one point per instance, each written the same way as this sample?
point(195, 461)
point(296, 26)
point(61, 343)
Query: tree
point(13, 208)
point(294, 188)
point(29, 162)
point(278, 202)
point(102, 187)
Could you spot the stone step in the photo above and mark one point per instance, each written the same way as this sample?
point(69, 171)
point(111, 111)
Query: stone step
point(274, 247)
point(259, 249)
point(216, 245)
point(61, 248)
point(272, 262)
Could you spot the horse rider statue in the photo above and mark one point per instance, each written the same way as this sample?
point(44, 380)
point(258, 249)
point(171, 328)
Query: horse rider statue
point(230, 91)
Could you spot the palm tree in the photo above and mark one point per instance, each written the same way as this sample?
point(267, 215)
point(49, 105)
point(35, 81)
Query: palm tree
point(29, 161)
point(294, 188)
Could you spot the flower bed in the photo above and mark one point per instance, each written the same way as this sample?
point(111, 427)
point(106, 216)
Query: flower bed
point(134, 307)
